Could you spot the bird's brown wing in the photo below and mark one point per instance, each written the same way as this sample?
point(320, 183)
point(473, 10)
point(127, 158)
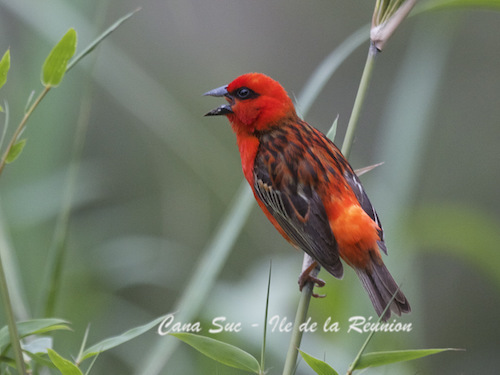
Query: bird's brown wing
point(365, 204)
point(301, 214)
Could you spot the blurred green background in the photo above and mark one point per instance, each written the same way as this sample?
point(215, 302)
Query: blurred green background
point(156, 177)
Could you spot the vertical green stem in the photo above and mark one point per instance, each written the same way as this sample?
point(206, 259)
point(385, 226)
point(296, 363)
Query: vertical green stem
point(263, 351)
point(300, 317)
point(360, 99)
point(292, 354)
point(11, 321)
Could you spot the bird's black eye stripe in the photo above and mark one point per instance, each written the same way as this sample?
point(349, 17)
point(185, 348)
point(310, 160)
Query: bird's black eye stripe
point(243, 93)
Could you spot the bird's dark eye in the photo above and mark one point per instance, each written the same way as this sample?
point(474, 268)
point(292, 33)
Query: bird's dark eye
point(245, 93)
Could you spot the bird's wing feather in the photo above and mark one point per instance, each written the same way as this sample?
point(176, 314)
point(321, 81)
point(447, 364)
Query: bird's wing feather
point(302, 217)
point(365, 203)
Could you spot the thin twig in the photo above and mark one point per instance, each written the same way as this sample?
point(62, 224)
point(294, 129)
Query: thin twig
point(21, 127)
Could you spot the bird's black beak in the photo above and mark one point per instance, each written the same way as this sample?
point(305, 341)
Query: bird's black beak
point(223, 109)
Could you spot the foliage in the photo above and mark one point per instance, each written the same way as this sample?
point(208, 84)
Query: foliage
point(53, 71)
point(427, 225)
point(384, 11)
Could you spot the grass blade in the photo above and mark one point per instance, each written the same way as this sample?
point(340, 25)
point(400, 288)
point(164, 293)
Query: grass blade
point(33, 327)
point(450, 4)
point(328, 66)
point(384, 358)
point(320, 367)
point(99, 39)
point(333, 130)
point(221, 352)
point(203, 278)
point(112, 342)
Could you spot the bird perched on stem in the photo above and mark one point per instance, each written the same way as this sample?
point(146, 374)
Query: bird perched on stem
point(306, 187)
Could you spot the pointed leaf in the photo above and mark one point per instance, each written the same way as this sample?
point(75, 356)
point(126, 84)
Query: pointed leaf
point(15, 151)
point(384, 358)
point(320, 367)
point(66, 367)
point(33, 327)
point(56, 63)
point(112, 342)
point(362, 171)
point(464, 3)
point(450, 4)
point(333, 130)
point(220, 351)
point(100, 38)
point(4, 67)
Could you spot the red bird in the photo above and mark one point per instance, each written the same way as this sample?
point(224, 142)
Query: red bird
point(306, 187)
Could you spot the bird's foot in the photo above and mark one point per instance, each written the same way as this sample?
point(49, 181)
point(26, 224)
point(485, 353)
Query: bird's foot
point(308, 275)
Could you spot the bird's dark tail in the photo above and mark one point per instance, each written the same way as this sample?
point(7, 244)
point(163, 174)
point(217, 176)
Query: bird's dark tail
point(380, 286)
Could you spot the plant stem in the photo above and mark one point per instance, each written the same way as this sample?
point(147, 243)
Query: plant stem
point(291, 359)
point(21, 127)
point(14, 335)
point(300, 317)
point(11, 321)
point(360, 99)
point(263, 351)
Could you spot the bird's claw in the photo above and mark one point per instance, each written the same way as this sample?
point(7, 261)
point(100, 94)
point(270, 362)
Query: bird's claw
point(305, 277)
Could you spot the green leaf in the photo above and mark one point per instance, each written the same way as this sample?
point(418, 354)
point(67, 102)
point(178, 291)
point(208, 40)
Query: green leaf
point(361, 171)
point(384, 358)
point(112, 342)
point(4, 67)
point(56, 63)
point(33, 327)
point(15, 151)
point(325, 70)
point(445, 4)
point(333, 130)
point(220, 351)
point(100, 38)
point(320, 367)
point(66, 367)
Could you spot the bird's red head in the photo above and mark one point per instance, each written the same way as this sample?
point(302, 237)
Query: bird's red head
point(256, 102)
